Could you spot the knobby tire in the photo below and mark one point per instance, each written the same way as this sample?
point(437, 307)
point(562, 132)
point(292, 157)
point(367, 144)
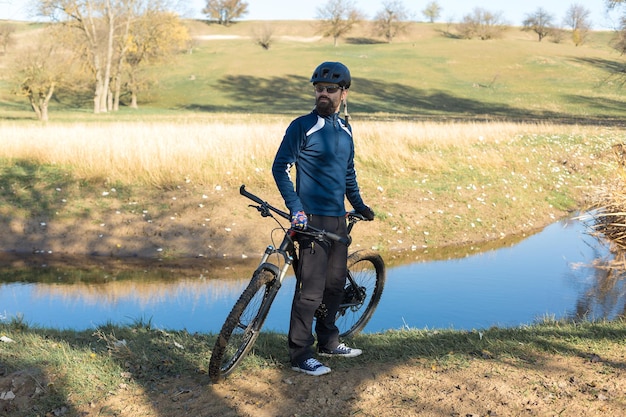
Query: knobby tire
point(368, 270)
point(242, 326)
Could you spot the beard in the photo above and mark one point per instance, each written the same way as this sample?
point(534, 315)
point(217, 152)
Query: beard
point(325, 107)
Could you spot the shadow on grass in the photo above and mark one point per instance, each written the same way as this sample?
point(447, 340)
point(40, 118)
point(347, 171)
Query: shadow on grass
point(169, 367)
point(285, 95)
point(45, 210)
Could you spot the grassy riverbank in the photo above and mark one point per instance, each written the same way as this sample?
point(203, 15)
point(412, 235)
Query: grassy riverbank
point(167, 190)
point(549, 368)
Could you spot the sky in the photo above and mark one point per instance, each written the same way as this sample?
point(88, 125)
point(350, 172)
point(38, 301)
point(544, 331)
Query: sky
point(513, 12)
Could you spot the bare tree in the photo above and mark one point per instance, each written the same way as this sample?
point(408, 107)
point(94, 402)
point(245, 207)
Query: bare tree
point(619, 41)
point(6, 35)
point(539, 22)
point(39, 71)
point(96, 23)
point(614, 3)
point(432, 11)
point(338, 17)
point(577, 18)
point(483, 24)
point(225, 11)
point(103, 32)
point(391, 20)
point(263, 36)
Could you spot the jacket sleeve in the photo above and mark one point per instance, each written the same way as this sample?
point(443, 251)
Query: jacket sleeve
point(285, 159)
point(352, 187)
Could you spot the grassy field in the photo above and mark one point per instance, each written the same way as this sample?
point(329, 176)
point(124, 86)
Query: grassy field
point(422, 74)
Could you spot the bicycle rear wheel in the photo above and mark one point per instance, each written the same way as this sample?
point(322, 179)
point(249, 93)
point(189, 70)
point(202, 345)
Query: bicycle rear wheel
point(243, 324)
point(362, 293)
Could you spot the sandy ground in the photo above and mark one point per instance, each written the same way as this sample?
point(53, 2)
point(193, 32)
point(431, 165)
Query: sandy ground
point(550, 385)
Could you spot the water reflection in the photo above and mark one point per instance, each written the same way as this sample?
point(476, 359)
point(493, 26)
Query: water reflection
point(559, 272)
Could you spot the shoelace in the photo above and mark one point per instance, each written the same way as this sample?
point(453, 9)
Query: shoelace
point(312, 363)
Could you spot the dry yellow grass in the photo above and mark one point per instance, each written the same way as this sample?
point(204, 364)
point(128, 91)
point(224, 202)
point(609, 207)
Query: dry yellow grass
point(431, 184)
point(214, 152)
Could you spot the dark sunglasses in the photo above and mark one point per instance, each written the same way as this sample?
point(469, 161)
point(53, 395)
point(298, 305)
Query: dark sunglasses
point(330, 89)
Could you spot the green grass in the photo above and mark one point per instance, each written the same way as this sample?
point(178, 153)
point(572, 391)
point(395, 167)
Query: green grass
point(421, 74)
point(85, 366)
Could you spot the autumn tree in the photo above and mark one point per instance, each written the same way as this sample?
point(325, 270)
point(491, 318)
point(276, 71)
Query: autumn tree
point(483, 24)
point(39, 71)
point(577, 18)
point(337, 18)
point(154, 38)
point(540, 22)
point(225, 11)
point(96, 23)
point(391, 20)
point(432, 11)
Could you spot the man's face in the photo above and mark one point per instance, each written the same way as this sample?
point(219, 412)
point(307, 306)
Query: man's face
point(328, 98)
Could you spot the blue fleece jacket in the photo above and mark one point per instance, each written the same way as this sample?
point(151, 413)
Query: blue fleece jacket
point(322, 150)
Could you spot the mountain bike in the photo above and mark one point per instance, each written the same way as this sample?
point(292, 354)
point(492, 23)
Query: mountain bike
point(364, 286)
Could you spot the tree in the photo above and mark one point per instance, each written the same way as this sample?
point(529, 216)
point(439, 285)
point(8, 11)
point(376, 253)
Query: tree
point(577, 18)
point(225, 11)
point(432, 11)
point(103, 32)
point(614, 3)
point(96, 23)
point(391, 20)
point(6, 36)
point(483, 24)
point(263, 36)
point(39, 71)
point(539, 22)
point(154, 38)
point(338, 17)
point(619, 41)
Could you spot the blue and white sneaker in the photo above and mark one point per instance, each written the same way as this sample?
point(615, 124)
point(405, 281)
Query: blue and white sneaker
point(311, 366)
point(342, 351)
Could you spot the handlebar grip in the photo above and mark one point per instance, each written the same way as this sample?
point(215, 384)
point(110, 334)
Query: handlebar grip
point(243, 192)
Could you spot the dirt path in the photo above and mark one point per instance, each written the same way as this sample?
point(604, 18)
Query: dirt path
point(549, 386)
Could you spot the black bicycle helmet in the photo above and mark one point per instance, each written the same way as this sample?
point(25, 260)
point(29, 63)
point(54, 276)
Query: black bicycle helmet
point(332, 72)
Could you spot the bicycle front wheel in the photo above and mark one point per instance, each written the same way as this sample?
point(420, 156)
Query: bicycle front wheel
point(364, 287)
point(243, 324)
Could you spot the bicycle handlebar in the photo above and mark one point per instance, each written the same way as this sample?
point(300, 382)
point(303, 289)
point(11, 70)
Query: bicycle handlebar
point(266, 205)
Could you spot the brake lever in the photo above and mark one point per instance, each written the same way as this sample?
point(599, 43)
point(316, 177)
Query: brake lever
point(263, 209)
